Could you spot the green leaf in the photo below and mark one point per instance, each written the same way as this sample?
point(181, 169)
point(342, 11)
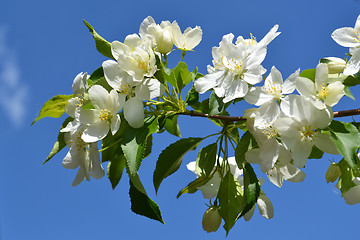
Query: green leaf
point(55, 107)
point(134, 141)
point(115, 169)
point(172, 126)
point(103, 46)
point(316, 153)
point(171, 157)
point(348, 93)
point(140, 202)
point(308, 73)
point(352, 80)
point(96, 76)
point(231, 201)
point(247, 142)
point(148, 146)
point(216, 104)
point(346, 178)
point(251, 188)
point(192, 98)
point(60, 142)
point(347, 139)
point(206, 159)
point(193, 186)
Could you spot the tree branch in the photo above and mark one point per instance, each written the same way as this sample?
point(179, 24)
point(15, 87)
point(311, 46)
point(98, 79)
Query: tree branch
point(193, 113)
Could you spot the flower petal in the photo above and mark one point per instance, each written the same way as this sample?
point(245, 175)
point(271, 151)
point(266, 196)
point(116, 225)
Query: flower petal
point(134, 112)
point(265, 206)
point(352, 196)
point(95, 132)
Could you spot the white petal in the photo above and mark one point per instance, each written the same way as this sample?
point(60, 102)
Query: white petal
point(321, 75)
point(237, 89)
point(353, 66)
point(97, 170)
point(335, 92)
point(265, 206)
point(345, 37)
point(267, 114)
point(95, 132)
point(80, 176)
point(115, 124)
point(208, 81)
point(257, 96)
point(325, 144)
point(134, 112)
point(289, 84)
point(114, 74)
point(89, 116)
point(270, 35)
point(71, 161)
point(144, 25)
point(118, 49)
point(99, 96)
point(292, 173)
point(192, 37)
point(275, 176)
point(300, 152)
point(305, 86)
point(269, 154)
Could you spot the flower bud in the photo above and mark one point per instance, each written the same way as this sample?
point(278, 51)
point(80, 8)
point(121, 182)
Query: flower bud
point(164, 41)
point(335, 65)
point(211, 220)
point(332, 173)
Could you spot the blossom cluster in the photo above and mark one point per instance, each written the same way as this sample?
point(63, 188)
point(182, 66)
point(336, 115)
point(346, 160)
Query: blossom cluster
point(291, 118)
point(132, 80)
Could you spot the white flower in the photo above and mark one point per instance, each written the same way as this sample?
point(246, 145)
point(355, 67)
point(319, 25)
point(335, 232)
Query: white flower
point(135, 57)
point(234, 68)
point(83, 155)
point(104, 116)
point(350, 37)
point(189, 39)
point(270, 95)
point(79, 87)
point(300, 131)
point(135, 92)
point(321, 93)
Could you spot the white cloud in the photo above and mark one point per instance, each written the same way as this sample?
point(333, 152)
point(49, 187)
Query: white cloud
point(12, 92)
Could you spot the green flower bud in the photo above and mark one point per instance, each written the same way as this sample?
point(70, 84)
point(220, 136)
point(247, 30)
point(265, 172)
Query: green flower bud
point(335, 65)
point(211, 220)
point(332, 173)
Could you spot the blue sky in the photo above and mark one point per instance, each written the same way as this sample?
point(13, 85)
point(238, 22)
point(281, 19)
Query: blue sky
point(44, 45)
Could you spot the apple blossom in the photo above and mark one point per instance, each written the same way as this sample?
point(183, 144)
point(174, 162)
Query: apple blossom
point(135, 92)
point(189, 39)
point(321, 93)
point(269, 96)
point(300, 131)
point(104, 116)
point(83, 155)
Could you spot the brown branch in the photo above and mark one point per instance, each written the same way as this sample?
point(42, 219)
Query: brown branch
point(192, 113)
point(347, 113)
